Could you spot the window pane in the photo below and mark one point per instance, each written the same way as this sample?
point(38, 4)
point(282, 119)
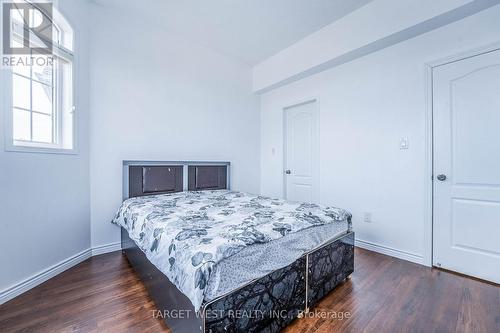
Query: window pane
point(16, 42)
point(23, 70)
point(20, 69)
point(21, 124)
point(42, 98)
point(35, 41)
point(42, 128)
point(36, 17)
point(42, 69)
point(21, 92)
point(16, 16)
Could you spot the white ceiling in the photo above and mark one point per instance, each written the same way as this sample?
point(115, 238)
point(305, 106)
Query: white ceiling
point(248, 30)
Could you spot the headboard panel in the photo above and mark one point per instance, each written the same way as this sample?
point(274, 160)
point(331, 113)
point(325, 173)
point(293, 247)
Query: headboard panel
point(154, 179)
point(142, 178)
point(207, 177)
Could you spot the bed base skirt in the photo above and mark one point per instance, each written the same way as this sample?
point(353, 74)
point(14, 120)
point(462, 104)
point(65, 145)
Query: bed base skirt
point(267, 304)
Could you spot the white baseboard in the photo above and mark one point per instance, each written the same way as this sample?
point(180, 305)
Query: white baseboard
point(39, 278)
point(106, 248)
point(390, 251)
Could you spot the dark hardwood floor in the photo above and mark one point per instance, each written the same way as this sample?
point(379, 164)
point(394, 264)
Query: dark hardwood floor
point(384, 294)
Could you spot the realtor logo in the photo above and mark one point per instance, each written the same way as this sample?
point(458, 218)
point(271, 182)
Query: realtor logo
point(27, 28)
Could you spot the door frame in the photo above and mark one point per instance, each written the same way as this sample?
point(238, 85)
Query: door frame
point(429, 159)
point(289, 105)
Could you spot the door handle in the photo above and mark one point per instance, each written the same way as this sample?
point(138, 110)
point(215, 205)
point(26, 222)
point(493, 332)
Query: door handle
point(441, 178)
point(288, 172)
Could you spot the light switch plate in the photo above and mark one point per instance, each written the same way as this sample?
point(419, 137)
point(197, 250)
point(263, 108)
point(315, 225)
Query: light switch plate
point(367, 217)
point(404, 143)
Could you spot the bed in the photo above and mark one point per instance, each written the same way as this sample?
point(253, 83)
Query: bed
point(217, 260)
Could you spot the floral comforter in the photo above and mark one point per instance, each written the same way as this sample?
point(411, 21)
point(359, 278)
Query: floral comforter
point(185, 234)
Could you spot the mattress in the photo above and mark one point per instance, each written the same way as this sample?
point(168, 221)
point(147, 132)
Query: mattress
point(208, 243)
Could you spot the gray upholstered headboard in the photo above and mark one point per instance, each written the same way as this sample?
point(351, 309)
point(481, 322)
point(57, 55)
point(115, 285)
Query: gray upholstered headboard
point(142, 178)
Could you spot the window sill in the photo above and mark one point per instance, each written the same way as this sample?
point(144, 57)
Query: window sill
point(40, 150)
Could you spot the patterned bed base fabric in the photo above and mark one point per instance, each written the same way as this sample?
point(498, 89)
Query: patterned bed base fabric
point(328, 266)
point(254, 307)
point(270, 303)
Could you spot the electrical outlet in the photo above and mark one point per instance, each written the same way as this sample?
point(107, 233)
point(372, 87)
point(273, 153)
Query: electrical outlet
point(367, 217)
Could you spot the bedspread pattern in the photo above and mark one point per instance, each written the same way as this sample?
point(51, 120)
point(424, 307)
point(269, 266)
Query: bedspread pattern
point(185, 234)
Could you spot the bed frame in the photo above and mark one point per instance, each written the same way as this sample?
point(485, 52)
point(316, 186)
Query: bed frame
point(267, 304)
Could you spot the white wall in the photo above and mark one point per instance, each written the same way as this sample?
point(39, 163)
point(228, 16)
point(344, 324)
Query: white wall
point(365, 107)
point(45, 198)
point(158, 97)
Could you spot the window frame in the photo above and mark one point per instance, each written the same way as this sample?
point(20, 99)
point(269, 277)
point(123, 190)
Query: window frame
point(60, 53)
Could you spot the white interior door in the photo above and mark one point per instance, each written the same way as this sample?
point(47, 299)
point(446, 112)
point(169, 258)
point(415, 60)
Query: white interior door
point(466, 107)
point(301, 152)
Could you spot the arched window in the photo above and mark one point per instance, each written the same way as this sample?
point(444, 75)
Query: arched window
point(41, 110)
